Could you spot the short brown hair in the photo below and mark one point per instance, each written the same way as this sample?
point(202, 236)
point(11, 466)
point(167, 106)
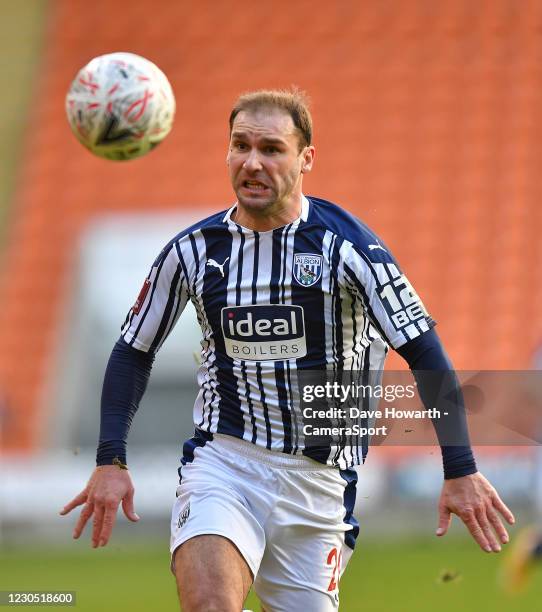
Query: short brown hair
point(293, 101)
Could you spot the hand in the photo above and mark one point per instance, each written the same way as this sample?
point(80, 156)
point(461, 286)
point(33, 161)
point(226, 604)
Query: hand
point(478, 505)
point(107, 487)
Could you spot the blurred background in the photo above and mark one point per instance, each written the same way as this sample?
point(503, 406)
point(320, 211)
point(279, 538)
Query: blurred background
point(428, 123)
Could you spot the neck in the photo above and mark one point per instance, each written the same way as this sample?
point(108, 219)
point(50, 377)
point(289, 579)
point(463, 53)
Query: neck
point(264, 220)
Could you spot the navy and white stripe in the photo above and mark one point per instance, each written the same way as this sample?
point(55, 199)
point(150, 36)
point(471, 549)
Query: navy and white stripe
point(355, 305)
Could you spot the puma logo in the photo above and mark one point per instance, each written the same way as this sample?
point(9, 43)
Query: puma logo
point(372, 247)
point(215, 264)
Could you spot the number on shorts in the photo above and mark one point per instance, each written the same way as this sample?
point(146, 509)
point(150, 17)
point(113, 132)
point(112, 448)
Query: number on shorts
point(334, 559)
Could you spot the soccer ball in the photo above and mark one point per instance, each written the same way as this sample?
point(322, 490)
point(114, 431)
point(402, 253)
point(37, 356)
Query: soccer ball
point(120, 106)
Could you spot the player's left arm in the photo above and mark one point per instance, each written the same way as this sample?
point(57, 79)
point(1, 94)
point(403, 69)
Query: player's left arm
point(400, 317)
point(465, 492)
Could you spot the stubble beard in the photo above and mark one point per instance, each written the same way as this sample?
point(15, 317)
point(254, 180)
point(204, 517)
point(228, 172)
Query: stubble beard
point(256, 205)
point(269, 205)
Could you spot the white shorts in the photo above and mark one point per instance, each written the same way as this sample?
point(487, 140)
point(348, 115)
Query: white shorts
point(290, 517)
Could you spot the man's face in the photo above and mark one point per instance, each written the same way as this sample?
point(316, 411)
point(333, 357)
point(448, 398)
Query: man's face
point(264, 160)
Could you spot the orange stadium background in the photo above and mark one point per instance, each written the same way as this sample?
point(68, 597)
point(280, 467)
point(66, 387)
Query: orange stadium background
point(427, 126)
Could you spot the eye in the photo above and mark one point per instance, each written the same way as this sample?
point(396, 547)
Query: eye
point(239, 146)
point(270, 149)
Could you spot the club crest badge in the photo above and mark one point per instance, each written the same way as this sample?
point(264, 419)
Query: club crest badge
point(183, 515)
point(307, 268)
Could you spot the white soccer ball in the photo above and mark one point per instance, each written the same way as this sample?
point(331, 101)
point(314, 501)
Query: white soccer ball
point(120, 106)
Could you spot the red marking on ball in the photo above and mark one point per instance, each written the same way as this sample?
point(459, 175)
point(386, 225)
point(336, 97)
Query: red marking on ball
point(132, 113)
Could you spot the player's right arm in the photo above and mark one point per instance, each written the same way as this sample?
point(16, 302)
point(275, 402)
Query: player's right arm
point(125, 381)
point(108, 486)
point(147, 325)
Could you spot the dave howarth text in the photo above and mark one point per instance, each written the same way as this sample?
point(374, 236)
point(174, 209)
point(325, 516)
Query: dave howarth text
point(357, 413)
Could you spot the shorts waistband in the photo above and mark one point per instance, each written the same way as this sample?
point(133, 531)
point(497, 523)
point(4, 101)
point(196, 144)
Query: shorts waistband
point(270, 457)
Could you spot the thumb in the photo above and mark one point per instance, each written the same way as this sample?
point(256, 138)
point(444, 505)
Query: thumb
point(444, 521)
point(128, 506)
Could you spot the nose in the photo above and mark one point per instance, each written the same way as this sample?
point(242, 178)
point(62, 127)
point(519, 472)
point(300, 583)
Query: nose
point(252, 162)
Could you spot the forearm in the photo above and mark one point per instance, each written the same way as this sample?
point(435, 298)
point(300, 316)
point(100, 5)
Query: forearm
point(436, 381)
point(125, 381)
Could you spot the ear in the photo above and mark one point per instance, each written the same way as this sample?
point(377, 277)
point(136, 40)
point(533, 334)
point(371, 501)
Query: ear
point(308, 159)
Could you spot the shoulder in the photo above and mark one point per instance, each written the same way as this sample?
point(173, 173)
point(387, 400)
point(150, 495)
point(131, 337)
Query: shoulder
point(339, 221)
point(214, 222)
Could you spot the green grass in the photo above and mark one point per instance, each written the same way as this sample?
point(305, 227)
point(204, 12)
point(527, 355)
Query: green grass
point(398, 576)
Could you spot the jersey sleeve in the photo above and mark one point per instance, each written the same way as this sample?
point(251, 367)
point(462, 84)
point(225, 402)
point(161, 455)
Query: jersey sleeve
point(159, 304)
point(391, 302)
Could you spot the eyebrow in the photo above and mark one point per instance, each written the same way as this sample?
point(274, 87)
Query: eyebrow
point(265, 139)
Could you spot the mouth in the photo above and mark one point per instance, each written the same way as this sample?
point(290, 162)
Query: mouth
point(254, 186)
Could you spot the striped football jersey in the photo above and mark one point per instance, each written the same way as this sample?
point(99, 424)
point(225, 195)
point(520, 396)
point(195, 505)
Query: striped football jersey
point(321, 293)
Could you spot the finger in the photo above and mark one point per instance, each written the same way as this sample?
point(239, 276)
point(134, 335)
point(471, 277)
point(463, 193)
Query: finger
point(107, 524)
point(471, 522)
point(128, 506)
point(503, 509)
point(499, 528)
point(444, 520)
point(485, 526)
point(97, 523)
point(76, 501)
point(86, 513)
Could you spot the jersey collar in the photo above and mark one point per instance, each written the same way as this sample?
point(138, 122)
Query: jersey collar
point(305, 208)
